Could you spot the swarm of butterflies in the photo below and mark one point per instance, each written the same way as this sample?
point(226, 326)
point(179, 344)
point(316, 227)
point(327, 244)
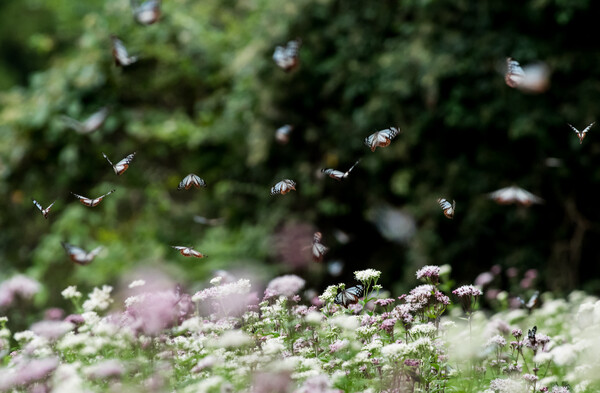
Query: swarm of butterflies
point(533, 78)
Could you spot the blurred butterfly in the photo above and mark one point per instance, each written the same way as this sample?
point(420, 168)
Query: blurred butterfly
point(120, 53)
point(338, 175)
point(516, 195)
point(283, 187)
point(531, 334)
point(318, 249)
point(533, 78)
point(381, 138)
point(44, 211)
point(189, 252)
point(146, 13)
point(350, 295)
point(532, 303)
point(208, 221)
point(282, 135)
point(91, 202)
point(191, 180)
point(581, 134)
point(447, 207)
point(287, 57)
point(89, 125)
point(79, 255)
point(122, 165)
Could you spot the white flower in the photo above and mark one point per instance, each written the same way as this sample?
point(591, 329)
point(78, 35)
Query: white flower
point(231, 339)
point(424, 330)
point(137, 283)
point(71, 293)
point(216, 281)
point(367, 275)
point(348, 322)
point(314, 317)
point(273, 346)
point(395, 350)
point(25, 335)
point(329, 294)
point(3, 319)
point(99, 299)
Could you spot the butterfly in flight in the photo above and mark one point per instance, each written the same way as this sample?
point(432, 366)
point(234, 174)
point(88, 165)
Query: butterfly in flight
point(282, 135)
point(532, 303)
point(581, 134)
point(381, 138)
point(191, 180)
point(89, 125)
point(338, 175)
point(122, 165)
point(209, 221)
point(44, 211)
point(447, 207)
point(287, 57)
point(516, 195)
point(79, 255)
point(283, 187)
point(533, 78)
point(120, 53)
point(350, 295)
point(318, 249)
point(146, 13)
point(189, 252)
point(91, 202)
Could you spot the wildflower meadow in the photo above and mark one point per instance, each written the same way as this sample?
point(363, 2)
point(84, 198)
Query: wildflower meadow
point(229, 338)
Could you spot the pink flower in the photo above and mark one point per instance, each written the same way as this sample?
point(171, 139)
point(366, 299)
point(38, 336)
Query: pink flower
point(288, 285)
point(271, 382)
point(34, 370)
point(384, 302)
point(429, 274)
point(106, 369)
point(317, 384)
point(52, 330)
point(152, 312)
point(484, 279)
point(18, 286)
point(54, 314)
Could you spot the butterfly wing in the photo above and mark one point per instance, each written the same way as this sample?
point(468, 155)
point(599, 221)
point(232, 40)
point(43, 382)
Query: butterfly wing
point(122, 165)
point(38, 205)
point(95, 121)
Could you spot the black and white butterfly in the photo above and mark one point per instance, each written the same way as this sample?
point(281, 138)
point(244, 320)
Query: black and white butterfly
point(381, 138)
point(318, 249)
point(447, 207)
point(189, 252)
point(338, 175)
point(89, 125)
point(120, 53)
point(531, 334)
point(516, 195)
point(146, 13)
point(282, 135)
point(283, 187)
point(122, 165)
point(350, 295)
point(581, 134)
point(44, 211)
point(287, 57)
point(91, 202)
point(532, 303)
point(533, 78)
point(191, 180)
point(79, 255)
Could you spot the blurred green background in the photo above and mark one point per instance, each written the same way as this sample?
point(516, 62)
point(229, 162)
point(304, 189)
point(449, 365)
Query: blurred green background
point(206, 98)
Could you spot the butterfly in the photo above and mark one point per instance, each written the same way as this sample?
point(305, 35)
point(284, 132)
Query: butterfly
point(44, 211)
point(89, 125)
point(318, 249)
point(79, 255)
point(532, 78)
point(381, 138)
point(122, 165)
point(531, 334)
point(338, 175)
point(283, 187)
point(516, 195)
point(287, 57)
point(120, 53)
point(189, 252)
point(532, 303)
point(92, 202)
point(146, 13)
point(208, 221)
point(581, 134)
point(447, 207)
point(282, 135)
point(191, 180)
point(350, 295)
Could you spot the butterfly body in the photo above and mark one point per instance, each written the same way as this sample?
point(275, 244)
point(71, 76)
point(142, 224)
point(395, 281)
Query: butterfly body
point(122, 165)
point(350, 295)
point(381, 138)
point(91, 124)
point(581, 134)
point(120, 53)
point(191, 180)
point(79, 255)
point(189, 252)
point(42, 210)
point(286, 57)
point(318, 249)
point(338, 175)
point(447, 207)
point(283, 187)
point(91, 202)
